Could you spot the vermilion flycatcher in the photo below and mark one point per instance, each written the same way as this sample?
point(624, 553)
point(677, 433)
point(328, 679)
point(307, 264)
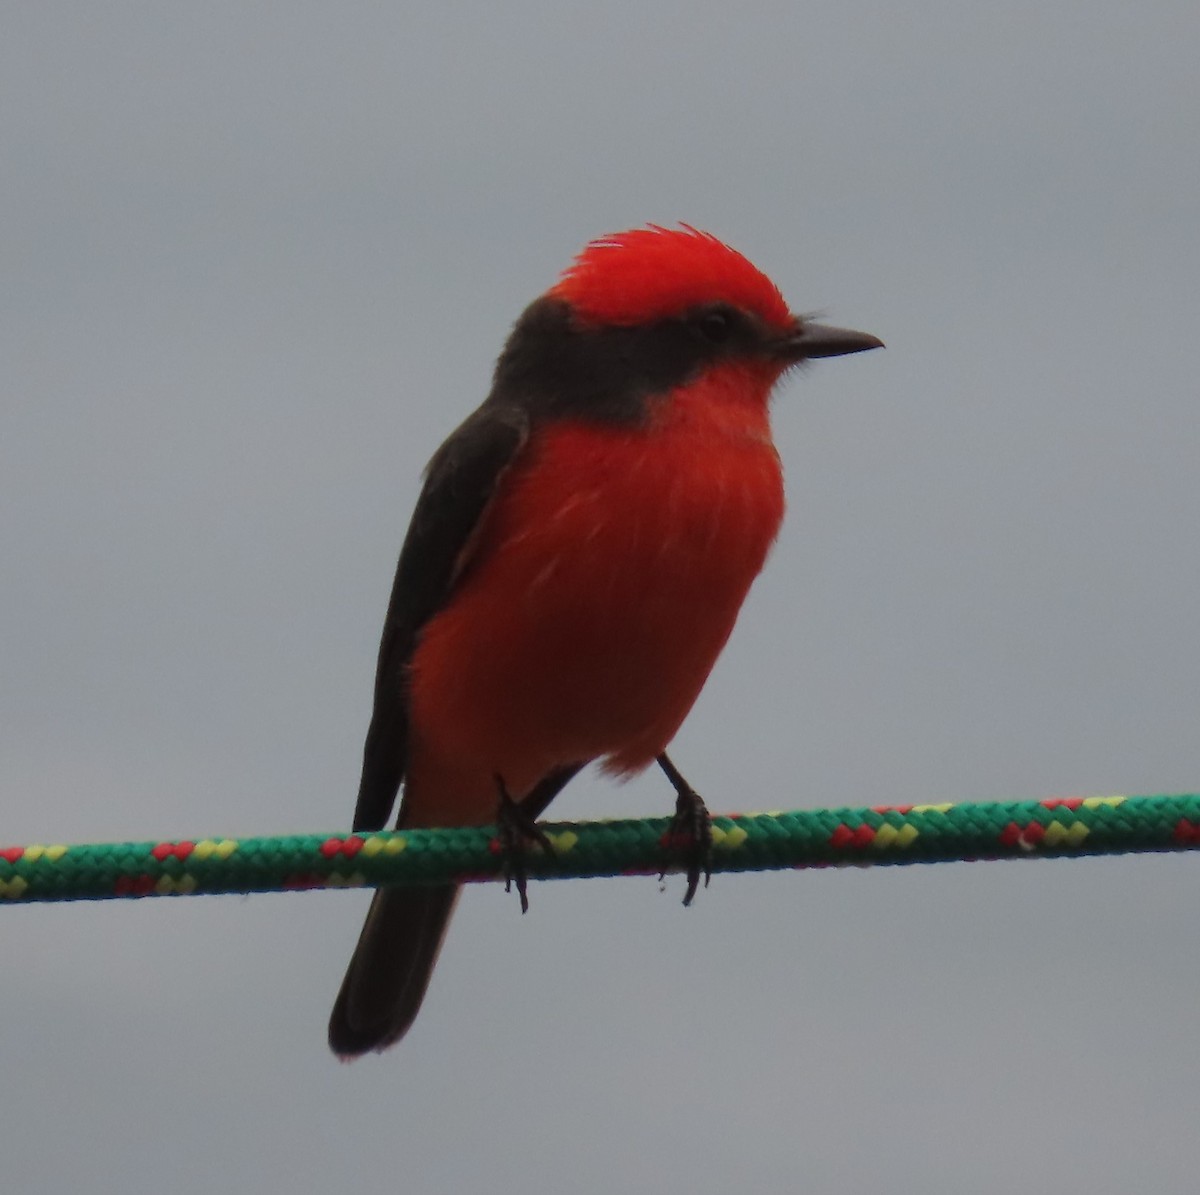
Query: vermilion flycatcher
point(575, 564)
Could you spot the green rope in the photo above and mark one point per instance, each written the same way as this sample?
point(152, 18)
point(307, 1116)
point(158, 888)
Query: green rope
point(743, 842)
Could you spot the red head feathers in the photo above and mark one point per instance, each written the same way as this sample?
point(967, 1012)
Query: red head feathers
point(651, 273)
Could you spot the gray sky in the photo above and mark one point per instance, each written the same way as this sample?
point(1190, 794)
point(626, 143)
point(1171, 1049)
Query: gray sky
point(258, 260)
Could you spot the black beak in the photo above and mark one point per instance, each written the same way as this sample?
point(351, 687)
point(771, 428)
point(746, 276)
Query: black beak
point(817, 340)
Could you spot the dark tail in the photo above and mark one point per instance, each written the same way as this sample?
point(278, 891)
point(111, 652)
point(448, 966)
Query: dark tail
point(390, 970)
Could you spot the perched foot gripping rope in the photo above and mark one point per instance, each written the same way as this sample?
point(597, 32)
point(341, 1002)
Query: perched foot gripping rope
point(743, 842)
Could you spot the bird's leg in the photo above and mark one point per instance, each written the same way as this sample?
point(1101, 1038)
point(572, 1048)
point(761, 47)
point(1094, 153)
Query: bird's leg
point(516, 829)
point(690, 832)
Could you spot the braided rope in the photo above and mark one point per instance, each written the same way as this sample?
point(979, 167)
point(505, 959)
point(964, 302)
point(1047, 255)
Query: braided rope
point(741, 842)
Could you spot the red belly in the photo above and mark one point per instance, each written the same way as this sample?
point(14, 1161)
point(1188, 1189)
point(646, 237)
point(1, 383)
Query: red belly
point(608, 575)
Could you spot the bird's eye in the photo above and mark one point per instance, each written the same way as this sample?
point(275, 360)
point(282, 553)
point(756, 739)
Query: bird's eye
point(716, 326)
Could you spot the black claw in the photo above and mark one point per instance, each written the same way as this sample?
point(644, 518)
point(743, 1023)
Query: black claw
point(689, 836)
point(515, 830)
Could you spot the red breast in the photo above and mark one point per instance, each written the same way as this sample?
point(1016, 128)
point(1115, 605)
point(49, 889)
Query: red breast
point(607, 576)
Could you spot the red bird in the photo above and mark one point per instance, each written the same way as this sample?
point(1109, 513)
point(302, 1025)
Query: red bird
point(575, 563)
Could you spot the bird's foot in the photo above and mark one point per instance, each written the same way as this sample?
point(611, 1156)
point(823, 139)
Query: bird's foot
point(689, 836)
point(516, 831)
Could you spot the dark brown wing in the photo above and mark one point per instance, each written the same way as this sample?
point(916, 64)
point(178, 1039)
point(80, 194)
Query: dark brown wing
point(459, 484)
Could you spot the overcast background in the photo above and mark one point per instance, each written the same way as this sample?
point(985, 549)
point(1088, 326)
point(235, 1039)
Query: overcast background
point(258, 260)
